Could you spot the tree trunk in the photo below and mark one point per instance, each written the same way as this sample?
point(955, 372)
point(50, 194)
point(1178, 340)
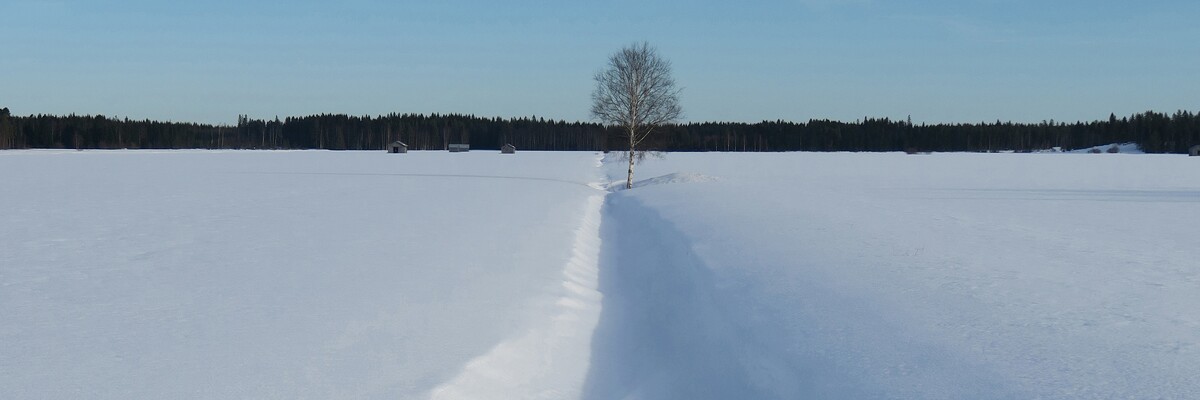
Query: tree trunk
point(629, 178)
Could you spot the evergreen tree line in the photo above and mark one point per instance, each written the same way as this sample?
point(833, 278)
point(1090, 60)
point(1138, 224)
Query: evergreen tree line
point(1155, 132)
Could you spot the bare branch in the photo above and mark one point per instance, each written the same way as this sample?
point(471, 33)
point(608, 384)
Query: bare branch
point(636, 93)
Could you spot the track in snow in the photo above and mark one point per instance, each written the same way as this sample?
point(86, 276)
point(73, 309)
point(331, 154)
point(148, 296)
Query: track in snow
point(551, 359)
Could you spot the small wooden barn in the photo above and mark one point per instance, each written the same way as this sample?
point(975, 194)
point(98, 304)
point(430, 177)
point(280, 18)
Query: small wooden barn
point(459, 147)
point(398, 147)
point(508, 148)
point(1194, 151)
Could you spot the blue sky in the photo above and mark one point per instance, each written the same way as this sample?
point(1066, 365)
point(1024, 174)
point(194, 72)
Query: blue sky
point(938, 61)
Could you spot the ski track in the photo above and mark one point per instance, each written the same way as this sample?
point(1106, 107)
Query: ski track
point(552, 358)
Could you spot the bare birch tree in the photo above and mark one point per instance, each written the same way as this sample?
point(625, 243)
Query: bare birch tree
point(636, 93)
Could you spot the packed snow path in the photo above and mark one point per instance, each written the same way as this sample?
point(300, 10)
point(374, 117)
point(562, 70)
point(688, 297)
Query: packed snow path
point(210, 274)
point(549, 361)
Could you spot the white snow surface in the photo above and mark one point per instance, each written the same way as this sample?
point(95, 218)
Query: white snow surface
point(291, 275)
point(944, 276)
point(674, 177)
point(316, 274)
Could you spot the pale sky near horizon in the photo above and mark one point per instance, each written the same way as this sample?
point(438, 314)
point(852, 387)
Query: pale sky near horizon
point(933, 60)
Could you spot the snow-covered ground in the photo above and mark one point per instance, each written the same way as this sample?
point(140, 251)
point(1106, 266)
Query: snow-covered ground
point(806, 275)
point(313, 274)
point(208, 274)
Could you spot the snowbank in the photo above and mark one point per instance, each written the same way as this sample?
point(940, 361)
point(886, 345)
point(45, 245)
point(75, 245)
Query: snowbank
point(672, 178)
point(550, 360)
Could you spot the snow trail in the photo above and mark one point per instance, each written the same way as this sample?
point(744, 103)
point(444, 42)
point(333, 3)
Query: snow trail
point(551, 360)
point(195, 274)
point(889, 276)
point(664, 332)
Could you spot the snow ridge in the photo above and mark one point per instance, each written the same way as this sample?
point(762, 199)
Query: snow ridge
point(672, 178)
point(551, 360)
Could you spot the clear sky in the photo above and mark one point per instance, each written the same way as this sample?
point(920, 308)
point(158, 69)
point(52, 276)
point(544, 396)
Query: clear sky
point(936, 60)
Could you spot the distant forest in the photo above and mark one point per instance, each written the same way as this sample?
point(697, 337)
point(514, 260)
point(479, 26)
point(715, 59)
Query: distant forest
point(1155, 132)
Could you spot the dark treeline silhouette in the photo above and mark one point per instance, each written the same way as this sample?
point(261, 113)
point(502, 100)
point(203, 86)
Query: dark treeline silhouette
point(1155, 132)
point(326, 131)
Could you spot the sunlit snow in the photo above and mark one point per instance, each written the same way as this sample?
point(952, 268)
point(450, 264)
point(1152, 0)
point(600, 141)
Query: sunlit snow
point(318, 274)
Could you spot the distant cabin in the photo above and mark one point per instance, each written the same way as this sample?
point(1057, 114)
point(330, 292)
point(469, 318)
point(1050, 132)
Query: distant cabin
point(398, 147)
point(459, 147)
point(1194, 151)
point(508, 148)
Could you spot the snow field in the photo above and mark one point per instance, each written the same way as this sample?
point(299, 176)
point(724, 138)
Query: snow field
point(816, 275)
point(313, 274)
point(316, 274)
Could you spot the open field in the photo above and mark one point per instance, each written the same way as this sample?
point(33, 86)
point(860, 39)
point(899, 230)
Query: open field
point(839, 275)
point(317, 274)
